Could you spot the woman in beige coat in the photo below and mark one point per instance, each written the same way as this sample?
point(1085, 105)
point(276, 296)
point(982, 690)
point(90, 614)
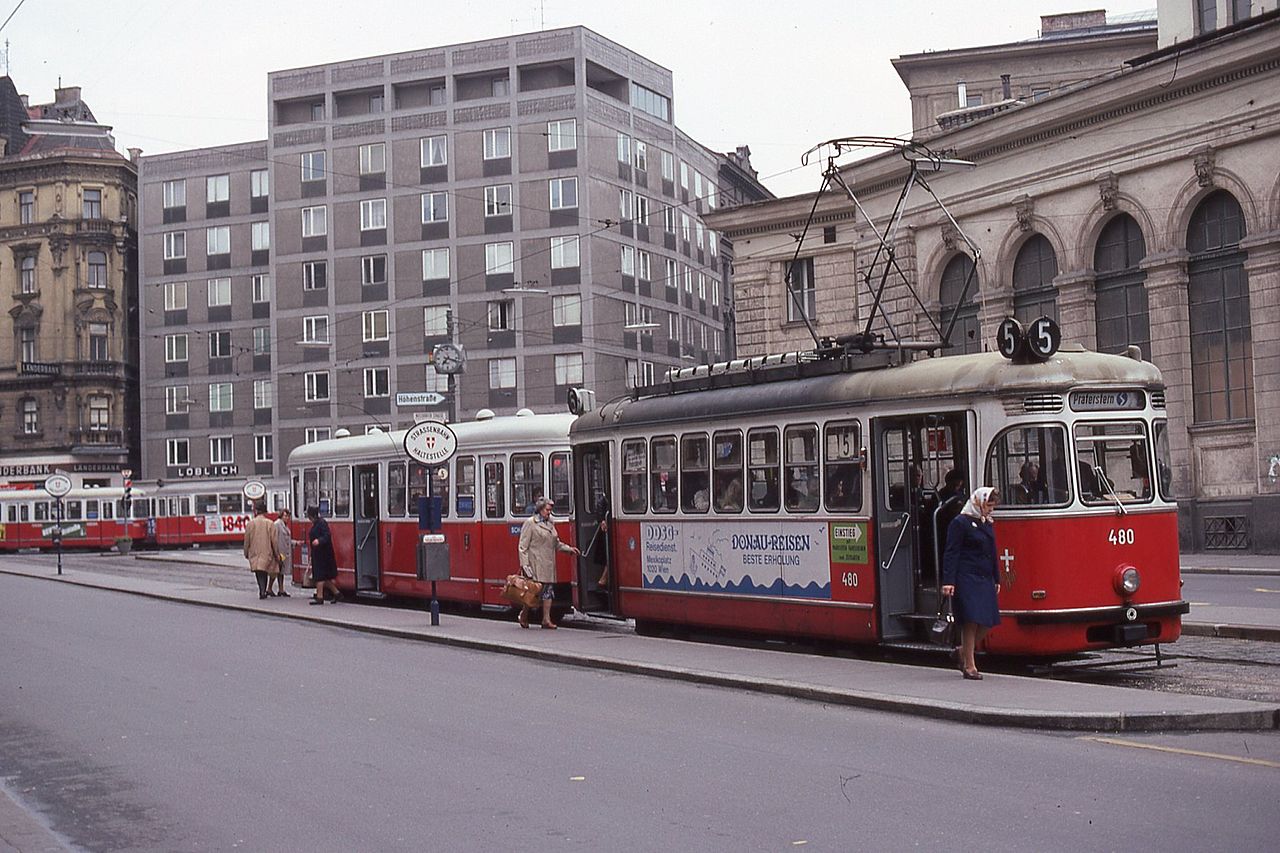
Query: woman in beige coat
point(284, 546)
point(539, 543)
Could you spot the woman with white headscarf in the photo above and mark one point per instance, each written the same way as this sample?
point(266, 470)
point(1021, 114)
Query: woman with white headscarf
point(970, 575)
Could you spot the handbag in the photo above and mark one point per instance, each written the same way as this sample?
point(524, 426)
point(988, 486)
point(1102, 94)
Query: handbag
point(942, 631)
point(522, 591)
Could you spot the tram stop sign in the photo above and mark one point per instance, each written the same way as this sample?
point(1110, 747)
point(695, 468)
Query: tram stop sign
point(430, 442)
point(58, 485)
point(255, 490)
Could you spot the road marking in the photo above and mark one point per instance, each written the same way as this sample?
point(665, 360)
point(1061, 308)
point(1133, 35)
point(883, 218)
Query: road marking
point(1175, 750)
point(1261, 589)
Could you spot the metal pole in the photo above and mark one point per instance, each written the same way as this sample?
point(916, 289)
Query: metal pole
point(435, 605)
point(57, 532)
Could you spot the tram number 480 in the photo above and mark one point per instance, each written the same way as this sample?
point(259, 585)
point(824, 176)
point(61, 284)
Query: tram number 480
point(1123, 536)
point(849, 578)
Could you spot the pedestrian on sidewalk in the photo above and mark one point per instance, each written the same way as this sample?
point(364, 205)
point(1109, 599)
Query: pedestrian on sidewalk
point(284, 547)
point(260, 548)
point(970, 575)
point(539, 543)
point(324, 564)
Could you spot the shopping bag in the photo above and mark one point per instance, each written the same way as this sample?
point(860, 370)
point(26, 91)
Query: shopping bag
point(522, 591)
point(942, 632)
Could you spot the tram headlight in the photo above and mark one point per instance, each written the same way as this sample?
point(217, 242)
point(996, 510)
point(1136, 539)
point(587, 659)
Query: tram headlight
point(1127, 580)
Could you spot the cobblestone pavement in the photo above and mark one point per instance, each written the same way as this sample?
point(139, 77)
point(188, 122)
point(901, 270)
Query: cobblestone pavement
point(1205, 666)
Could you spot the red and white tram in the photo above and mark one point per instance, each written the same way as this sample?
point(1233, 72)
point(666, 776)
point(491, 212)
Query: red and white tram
point(369, 492)
point(178, 514)
point(797, 497)
point(91, 519)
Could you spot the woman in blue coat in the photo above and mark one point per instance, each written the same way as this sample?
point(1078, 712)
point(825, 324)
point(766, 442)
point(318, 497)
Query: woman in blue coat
point(970, 576)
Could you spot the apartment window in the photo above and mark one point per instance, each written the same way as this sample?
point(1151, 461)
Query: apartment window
point(642, 210)
point(315, 275)
point(177, 400)
point(217, 188)
point(702, 286)
point(435, 264)
point(315, 329)
point(373, 269)
point(175, 347)
point(688, 279)
point(221, 450)
point(220, 397)
point(497, 143)
point(501, 315)
point(262, 340)
point(802, 294)
point(502, 373)
point(698, 231)
point(219, 292)
point(658, 106)
point(175, 245)
point(497, 200)
point(91, 204)
point(28, 274)
point(711, 193)
point(313, 166)
point(373, 158)
point(644, 265)
point(376, 325)
point(562, 135)
point(625, 204)
point(259, 184)
point(218, 240)
point(624, 148)
point(697, 184)
point(316, 386)
point(499, 258)
point(313, 434)
point(98, 342)
point(27, 341)
point(375, 102)
point(177, 451)
point(435, 207)
point(437, 95)
point(438, 382)
point(434, 151)
point(672, 277)
point(642, 156)
point(668, 166)
point(263, 394)
point(175, 193)
point(564, 193)
point(263, 449)
point(564, 252)
point(373, 214)
point(569, 369)
point(1222, 385)
point(1206, 16)
point(567, 310)
point(712, 242)
point(315, 221)
point(27, 207)
point(684, 175)
point(435, 321)
point(220, 344)
point(628, 261)
point(261, 236)
point(377, 382)
point(262, 288)
point(684, 226)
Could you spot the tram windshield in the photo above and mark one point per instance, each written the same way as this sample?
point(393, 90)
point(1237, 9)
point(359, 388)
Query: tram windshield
point(1164, 467)
point(1112, 459)
point(1028, 464)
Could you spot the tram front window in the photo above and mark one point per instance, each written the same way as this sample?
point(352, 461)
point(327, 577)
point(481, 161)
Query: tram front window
point(1029, 465)
point(1112, 459)
point(1164, 467)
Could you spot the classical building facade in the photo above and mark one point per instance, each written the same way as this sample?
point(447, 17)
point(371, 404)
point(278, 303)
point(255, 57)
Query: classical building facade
point(68, 259)
point(529, 198)
point(1140, 206)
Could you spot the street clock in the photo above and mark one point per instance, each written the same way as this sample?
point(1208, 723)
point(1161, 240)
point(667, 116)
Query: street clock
point(448, 358)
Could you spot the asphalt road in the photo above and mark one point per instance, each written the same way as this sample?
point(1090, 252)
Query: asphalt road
point(1232, 590)
point(135, 724)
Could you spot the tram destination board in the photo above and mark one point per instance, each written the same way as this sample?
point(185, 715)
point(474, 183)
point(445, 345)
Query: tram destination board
point(1107, 401)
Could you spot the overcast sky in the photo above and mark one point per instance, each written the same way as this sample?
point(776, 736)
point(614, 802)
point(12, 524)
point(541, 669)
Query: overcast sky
point(777, 76)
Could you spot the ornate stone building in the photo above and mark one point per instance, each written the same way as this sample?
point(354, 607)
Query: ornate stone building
point(68, 263)
point(1138, 206)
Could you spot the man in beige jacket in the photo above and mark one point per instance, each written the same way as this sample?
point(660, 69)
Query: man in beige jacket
point(260, 547)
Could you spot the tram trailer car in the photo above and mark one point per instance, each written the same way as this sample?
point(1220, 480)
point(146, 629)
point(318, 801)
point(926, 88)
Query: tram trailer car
point(802, 499)
point(91, 519)
point(368, 490)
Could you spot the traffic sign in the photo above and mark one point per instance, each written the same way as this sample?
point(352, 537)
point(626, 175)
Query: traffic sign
point(430, 442)
point(57, 485)
point(419, 398)
point(255, 490)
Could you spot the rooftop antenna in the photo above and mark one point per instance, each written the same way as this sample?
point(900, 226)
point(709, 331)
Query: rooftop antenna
point(6, 58)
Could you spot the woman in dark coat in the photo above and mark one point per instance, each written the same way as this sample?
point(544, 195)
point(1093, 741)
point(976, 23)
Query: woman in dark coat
point(324, 565)
point(970, 576)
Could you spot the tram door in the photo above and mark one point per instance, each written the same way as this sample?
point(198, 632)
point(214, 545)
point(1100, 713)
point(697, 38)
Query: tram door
point(366, 528)
point(594, 520)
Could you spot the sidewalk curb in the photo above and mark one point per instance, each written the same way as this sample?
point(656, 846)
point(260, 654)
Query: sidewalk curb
point(1225, 631)
point(1226, 570)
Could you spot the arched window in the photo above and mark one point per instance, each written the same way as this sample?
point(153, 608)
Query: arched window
point(964, 337)
point(1121, 305)
point(97, 269)
point(1218, 305)
point(1033, 272)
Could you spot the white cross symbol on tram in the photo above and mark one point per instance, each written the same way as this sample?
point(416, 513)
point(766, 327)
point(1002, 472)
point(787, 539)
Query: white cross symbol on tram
point(1007, 559)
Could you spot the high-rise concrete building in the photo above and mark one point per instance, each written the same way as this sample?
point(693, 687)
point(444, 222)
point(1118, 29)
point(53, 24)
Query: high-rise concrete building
point(68, 354)
point(529, 198)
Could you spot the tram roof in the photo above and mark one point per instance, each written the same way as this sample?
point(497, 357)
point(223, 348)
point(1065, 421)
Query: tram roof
point(509, 432)
point(977, 375)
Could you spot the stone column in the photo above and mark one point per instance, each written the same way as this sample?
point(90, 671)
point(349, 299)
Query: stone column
point(1262, 266)
point(1171, 352)
point(1076, 315)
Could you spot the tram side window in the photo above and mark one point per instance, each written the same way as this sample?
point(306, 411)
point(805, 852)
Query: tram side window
point(419, 481)
point(310, 489)
point(73, 512)
point(843, 466)
point(12, 513)
point(208, 504)
point(108, 510)
point(326, 492)
point(342, 492)
point(440, 488)
point(42, 511)
point(185, 501)
point(526, 481)
point(24, 513)
point(662, 468)
point(298, 506)
point(91, 509)
point(397, 489)
point(1029, 466)
point(1164, 467)
point(466, 487)
point(231, 504)
point(1112, 461)
point(493, 496)
point(695, 474)
point(800, 463)
point(635, 477)
point(560, 475)
point(141, 507)
point(726, 471)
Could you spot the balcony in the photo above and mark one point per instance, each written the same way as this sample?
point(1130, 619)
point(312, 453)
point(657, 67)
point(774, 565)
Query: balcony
point(97, 441)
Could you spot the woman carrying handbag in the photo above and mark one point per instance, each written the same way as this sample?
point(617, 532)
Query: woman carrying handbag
point(539, 543)
point(970, 576)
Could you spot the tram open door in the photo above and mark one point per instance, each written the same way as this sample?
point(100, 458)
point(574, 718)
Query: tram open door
point(368, 577)
point(593, 515)
point(912, 456)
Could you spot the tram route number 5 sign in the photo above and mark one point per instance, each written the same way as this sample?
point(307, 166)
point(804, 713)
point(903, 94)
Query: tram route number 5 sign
point(430, 442)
